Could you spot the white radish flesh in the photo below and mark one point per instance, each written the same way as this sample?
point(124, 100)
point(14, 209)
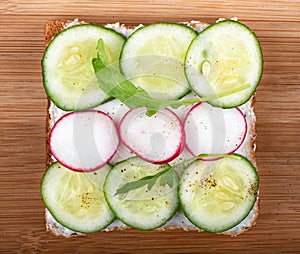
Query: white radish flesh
point(84, 141)
point(156, 139)
point(212, 130)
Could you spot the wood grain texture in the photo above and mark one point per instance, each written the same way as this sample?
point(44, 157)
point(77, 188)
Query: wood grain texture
point(23, 110)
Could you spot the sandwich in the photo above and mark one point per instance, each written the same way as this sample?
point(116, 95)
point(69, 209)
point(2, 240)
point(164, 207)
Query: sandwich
point(171, 112)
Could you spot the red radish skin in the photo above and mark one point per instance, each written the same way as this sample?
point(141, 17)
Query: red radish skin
point(177, 151)
point(80, 169)
point(229, 152)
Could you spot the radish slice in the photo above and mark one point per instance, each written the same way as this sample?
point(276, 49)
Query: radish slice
point(214, 130)
point(157, 139)
point(84, 141)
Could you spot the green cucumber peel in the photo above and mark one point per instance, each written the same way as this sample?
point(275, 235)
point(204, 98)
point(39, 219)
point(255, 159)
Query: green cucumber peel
point(114, 84)
point(166, 176)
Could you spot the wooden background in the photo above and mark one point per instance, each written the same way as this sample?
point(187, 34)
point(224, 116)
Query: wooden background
point(23, 112)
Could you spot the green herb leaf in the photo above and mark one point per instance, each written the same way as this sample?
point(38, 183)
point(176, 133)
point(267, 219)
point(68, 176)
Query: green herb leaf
point(101, 52)
point(166, 177)
point(149, 181)
point(114, 84)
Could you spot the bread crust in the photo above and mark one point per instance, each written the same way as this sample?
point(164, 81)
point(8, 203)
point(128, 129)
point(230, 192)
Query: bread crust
point(52, 28)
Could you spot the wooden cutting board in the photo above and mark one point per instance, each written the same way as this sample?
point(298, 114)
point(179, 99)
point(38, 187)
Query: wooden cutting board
point(23, 113)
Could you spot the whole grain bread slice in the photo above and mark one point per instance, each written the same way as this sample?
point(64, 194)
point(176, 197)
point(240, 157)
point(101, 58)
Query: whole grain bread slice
point(179, 222)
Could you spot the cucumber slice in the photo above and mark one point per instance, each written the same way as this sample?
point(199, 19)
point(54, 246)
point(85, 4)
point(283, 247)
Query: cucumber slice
point(140, 208)
point(153, 58)
point(217, 195)
point(76, 200)
point(223, 57)
point(68, 74)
